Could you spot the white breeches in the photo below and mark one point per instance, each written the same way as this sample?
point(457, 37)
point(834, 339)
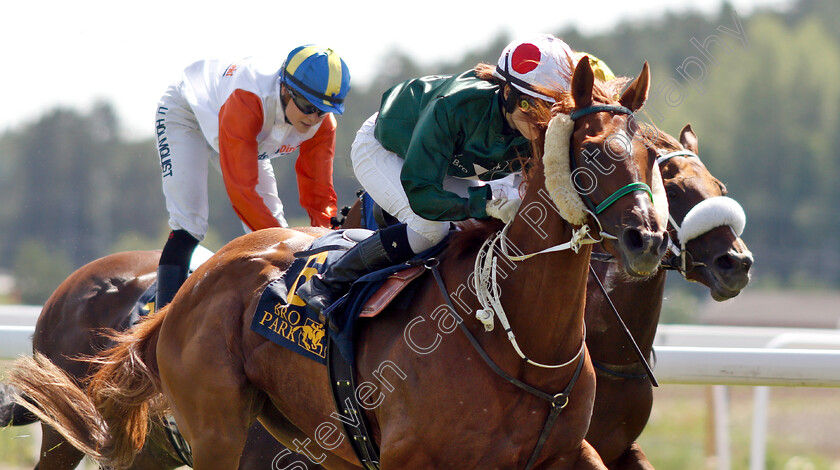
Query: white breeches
point(378, 171)
point(185, 157)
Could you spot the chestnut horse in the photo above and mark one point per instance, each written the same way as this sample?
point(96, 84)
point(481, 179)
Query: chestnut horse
point(714, 256)
point(718, 259)
point(112, 284)
point(218, 376)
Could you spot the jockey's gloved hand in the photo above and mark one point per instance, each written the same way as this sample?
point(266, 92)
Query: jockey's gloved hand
point(503, 208)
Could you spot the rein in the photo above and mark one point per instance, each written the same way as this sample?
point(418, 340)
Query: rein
point(682, 261)
point(626, 330)
point(489, 293)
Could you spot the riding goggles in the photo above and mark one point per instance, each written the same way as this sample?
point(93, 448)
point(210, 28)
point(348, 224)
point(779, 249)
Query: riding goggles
point(303, 105)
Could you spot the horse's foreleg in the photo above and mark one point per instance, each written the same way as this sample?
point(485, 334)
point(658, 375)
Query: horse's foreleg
point(589, 458)
point(632, 459)
point(56, 452)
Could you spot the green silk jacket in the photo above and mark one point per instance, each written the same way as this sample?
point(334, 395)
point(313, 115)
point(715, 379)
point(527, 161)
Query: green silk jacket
point(448, 125)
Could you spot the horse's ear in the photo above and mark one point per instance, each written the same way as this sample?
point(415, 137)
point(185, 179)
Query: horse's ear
point(689, 139)
point(582, 82)
point(637, 93)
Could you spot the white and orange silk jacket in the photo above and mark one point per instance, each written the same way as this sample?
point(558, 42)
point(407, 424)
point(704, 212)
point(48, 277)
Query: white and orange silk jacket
point(240, 114)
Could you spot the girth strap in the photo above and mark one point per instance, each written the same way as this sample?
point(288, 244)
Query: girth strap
point(557, 401)
point(633, 370)
point(177, 441)
point(342, 377)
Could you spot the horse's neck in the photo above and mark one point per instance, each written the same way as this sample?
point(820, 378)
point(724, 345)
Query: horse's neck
point(638, 302)
point(545, 294)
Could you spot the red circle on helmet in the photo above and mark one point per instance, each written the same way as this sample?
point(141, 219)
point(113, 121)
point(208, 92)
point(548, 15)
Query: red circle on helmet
point(525, 58)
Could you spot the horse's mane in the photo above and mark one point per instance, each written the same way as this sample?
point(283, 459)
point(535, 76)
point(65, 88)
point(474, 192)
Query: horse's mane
point(471, 234)
point(665, 141)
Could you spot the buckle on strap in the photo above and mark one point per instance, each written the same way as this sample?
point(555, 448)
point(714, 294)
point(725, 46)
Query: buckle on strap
point(560, 400)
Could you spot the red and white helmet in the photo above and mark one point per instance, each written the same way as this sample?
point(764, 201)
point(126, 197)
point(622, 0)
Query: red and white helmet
point(543, 61)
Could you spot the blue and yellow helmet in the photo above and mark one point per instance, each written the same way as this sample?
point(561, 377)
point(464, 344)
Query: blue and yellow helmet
point(319, 74)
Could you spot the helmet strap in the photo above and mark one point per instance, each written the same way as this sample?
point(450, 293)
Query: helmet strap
point(283, 103)
point(512, 99)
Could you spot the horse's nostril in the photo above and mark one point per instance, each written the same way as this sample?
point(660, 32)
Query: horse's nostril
point(633, 239)
point(725, 263)
point(730, 262)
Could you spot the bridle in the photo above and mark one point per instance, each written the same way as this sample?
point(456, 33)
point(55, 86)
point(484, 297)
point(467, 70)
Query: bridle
point(682, 260)
point(626, 189)
point(486, 287)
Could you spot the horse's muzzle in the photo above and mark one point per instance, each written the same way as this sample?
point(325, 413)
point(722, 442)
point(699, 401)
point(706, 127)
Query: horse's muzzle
point(642, 250)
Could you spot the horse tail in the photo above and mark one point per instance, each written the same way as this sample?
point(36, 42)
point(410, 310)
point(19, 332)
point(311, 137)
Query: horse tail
point(109, 419)
point(11, 413)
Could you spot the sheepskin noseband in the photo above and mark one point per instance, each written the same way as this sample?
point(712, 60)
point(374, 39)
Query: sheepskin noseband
point(558, 175)
point(711, 213)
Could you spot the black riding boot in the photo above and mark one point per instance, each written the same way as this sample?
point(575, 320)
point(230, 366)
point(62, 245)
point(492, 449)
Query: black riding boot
point(384, 248)
point(174, 266)
point(169, 280)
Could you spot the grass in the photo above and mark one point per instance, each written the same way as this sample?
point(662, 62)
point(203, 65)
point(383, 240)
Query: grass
point(802, 428)
point(17, 444)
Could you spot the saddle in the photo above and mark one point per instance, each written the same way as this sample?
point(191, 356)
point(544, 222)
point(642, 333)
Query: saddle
point(282, 316)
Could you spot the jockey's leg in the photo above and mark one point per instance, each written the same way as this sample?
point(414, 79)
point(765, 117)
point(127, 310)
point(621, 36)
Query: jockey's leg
point(174, 266)
point(185, 158)
point(384, 248)
point(378, 170)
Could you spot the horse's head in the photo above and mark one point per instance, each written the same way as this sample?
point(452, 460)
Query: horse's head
point(705, 223)
point(613, 181)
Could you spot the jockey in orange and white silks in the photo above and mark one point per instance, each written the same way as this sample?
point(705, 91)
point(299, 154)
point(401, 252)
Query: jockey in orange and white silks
point(237, 116)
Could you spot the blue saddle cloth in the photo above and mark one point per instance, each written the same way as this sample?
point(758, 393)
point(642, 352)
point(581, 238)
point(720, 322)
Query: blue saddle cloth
point(283, 318)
